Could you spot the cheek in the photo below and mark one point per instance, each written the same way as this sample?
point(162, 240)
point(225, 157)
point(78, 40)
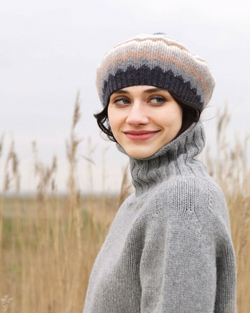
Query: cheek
point(110, 117)
point(176, 116)
point(171, 117)
point(113, 119)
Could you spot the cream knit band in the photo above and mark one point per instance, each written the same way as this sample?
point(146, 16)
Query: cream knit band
point(156, 60)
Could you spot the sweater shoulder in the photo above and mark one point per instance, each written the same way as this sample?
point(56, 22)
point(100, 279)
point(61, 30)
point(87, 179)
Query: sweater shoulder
point(202, 191)
point(198, 198)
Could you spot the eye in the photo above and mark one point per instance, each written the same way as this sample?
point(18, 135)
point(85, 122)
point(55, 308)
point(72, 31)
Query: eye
point(157, 100)
point(121, 101)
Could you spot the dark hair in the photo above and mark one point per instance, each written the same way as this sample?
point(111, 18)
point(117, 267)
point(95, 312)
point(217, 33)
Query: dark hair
point(191, 114)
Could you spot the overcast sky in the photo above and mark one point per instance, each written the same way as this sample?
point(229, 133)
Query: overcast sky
point(50, 49)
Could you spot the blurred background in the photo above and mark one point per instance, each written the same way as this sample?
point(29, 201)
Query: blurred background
point(61, 182)
point(50, 50)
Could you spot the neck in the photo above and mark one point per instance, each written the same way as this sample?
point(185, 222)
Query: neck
point(177, 158)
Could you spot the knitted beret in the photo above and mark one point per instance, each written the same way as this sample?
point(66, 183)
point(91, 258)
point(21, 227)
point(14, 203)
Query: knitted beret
point(156, 60)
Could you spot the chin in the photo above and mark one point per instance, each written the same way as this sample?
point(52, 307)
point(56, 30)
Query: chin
point(139, 154)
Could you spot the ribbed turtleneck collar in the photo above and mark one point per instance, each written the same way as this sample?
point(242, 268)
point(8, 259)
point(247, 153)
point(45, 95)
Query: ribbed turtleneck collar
point(174, 159)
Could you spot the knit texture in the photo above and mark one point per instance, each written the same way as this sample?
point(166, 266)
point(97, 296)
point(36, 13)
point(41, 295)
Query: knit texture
point(155, 60)
point(169, 248)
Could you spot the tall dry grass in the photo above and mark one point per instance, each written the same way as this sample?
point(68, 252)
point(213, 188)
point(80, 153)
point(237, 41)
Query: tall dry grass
point(48, 243)
point(229, 166)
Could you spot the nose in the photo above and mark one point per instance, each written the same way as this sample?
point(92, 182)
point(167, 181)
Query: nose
point(137, 114)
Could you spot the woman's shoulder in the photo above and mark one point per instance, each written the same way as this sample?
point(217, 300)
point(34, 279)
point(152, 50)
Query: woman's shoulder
point(187, 195)
point(189, 185)
point(192, 186)
point(189, 200)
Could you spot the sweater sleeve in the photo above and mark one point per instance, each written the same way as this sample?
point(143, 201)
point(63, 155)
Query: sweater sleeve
point(178, 261)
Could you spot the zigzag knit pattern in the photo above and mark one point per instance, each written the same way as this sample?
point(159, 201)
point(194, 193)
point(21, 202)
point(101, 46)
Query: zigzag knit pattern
point(156, 60)
point(169, 248)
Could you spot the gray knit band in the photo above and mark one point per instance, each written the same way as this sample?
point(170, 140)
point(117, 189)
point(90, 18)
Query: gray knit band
point(155, 60)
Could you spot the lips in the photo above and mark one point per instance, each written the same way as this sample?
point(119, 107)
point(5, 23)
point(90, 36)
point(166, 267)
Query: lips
point(140, 135)
point(140, 132)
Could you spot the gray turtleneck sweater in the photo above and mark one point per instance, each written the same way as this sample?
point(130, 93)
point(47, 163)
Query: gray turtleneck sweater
point(169, 248)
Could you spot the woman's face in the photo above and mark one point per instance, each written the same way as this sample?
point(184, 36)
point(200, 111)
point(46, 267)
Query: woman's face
point(143, 119)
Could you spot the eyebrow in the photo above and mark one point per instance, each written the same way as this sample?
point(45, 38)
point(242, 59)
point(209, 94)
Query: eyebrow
point(145, 91)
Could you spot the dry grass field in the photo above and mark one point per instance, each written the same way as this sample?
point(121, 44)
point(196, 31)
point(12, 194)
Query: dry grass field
point(48, 243)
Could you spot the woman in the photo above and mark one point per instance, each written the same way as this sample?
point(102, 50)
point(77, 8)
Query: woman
point(169, 248)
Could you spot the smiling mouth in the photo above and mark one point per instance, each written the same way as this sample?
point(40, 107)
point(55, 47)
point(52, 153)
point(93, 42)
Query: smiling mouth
point(142, 132)
point(140, 135)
